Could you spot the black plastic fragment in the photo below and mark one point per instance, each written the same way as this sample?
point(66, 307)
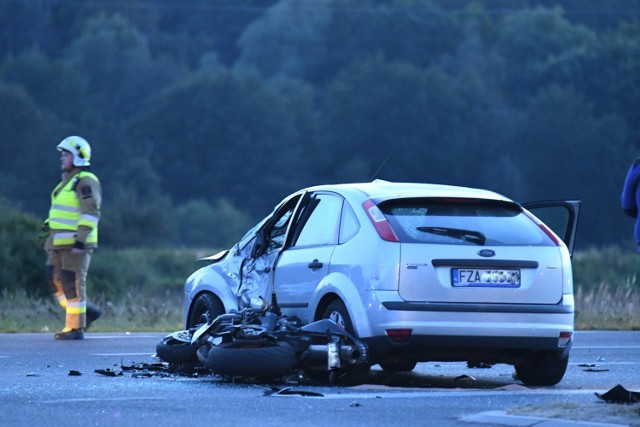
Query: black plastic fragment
point(288, 391)
point(147, 370)
point(108, 372)
point(619, 394)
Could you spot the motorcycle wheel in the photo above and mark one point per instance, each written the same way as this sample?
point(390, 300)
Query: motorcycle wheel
point(251, 359)
point(177, 348)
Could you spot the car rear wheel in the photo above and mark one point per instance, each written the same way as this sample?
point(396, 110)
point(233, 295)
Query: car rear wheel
point(350, 375)
point(206, 308)
point(545, 369)
point(337, 312)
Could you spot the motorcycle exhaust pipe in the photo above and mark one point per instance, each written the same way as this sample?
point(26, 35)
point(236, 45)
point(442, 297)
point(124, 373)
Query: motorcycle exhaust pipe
point(334, 353)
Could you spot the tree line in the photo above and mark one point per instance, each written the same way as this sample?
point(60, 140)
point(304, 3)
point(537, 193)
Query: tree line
point(204, 114)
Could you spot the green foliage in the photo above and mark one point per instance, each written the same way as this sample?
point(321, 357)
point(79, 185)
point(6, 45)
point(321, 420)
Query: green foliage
point(245, 101)
point(141, 273)
point(135, 212)
point(54, 86)
point(117, 65)
point(201, 225)
point(618, 267)
point(22, 257)
point(286, 40)
point(534, 42)
point(233, 129)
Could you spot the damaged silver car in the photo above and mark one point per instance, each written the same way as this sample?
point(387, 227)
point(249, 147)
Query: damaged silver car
point(418, 272)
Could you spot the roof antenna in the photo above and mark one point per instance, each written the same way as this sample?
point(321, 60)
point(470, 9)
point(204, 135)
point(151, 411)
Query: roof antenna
point(384, 162)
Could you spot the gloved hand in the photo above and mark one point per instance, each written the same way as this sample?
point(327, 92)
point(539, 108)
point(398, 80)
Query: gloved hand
point(43, 235)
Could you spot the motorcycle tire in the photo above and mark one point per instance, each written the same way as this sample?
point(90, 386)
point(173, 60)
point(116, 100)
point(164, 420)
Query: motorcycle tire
point(173, 349)
point(250, 359)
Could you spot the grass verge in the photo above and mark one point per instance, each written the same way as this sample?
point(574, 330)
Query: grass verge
point(600, 308)
point(22, 313)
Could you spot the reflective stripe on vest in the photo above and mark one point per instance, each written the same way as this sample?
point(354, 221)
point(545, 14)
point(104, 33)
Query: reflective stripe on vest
point(65, 213)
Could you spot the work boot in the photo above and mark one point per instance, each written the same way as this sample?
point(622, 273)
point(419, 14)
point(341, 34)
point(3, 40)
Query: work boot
point(72, 334)
point(93, 313)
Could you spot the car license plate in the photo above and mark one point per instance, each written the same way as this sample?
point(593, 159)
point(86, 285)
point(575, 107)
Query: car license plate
point(479, 277)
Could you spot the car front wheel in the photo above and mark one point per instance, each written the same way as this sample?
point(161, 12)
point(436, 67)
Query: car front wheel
point(544, 369)
point(206, 308)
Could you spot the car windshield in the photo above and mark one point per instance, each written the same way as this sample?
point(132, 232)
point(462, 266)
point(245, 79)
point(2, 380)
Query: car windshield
point(463, 222)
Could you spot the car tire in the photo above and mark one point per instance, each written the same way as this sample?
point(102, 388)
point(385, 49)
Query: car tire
point(177, 348)
point(251, 359)
point(351, 375)
point(402, 366)
point(206, 307)
point(337, 312)
point(546, 369)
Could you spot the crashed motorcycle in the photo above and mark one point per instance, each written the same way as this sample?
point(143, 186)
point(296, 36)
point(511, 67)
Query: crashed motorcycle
point(261, 343)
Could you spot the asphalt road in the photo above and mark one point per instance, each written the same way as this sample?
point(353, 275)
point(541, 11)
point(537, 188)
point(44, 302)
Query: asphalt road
point(46, 382)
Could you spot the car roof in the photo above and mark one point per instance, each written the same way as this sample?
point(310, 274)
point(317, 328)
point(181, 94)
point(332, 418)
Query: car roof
point(380, 189)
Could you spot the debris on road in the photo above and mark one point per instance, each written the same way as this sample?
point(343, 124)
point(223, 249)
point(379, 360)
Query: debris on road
point(479, 365)
point(288, 391)
point(619, 394)
point(108, 372)
point(148, 370)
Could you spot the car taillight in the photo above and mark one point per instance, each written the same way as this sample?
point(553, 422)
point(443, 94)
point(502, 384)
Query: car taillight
point(379, 221)
point(399, 335)
point(546, 230)
point(564, 339)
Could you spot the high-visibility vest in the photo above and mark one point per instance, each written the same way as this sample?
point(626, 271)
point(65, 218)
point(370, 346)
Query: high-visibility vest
point(65, 213)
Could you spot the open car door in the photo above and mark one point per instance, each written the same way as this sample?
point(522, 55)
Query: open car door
point(561, 216)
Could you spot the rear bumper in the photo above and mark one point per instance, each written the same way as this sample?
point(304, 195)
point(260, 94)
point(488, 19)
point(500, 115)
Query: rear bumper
point(422, 348)
point(495, 333)
point(478, 308)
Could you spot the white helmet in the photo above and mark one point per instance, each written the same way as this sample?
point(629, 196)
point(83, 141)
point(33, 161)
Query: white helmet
point(80, 149)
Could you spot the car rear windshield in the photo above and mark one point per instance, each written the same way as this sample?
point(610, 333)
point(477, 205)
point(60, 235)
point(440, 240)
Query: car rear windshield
point(462, 222)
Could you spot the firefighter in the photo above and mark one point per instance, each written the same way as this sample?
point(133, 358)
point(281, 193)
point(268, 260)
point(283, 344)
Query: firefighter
point(72, 228)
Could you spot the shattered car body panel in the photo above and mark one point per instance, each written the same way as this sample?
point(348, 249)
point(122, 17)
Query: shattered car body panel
point(244, 273)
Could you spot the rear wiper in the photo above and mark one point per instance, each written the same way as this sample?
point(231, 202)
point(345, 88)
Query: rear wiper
point(457, 233)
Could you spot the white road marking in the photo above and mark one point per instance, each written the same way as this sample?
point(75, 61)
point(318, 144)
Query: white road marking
point(109, 337)
point(123, 354)
point(377, 394)
point(103, 399)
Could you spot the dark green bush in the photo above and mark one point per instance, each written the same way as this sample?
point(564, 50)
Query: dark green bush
point(142, 272)
point(113, 272)
point(22, 258)
point(614, 266)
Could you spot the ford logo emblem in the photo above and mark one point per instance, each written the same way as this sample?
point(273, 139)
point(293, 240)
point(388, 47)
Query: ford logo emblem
point(487, 253)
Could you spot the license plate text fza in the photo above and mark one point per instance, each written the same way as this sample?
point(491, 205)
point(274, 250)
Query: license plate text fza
point(486, 278)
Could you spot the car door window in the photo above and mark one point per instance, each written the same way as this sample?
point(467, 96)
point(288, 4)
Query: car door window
point(350, 224)
point(323, 224)
point(278, 233)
